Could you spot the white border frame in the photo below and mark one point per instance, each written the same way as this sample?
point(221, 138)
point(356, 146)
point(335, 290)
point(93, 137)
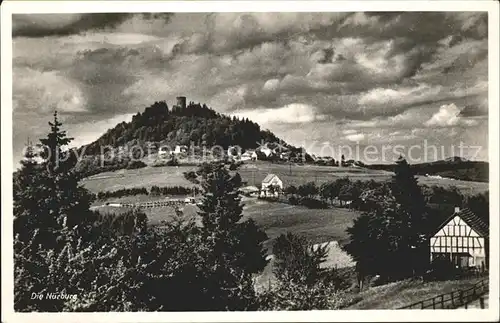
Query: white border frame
point(10, 7)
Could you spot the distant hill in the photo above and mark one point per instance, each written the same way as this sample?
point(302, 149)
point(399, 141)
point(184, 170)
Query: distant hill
point(194, 125)
point(453, 167)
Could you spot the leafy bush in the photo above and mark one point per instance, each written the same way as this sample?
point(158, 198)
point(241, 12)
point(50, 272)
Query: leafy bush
point(235, 165)
point(308, 190)
point(135, 164)
point(313, 203)
point(159, 163)
point(191, 176)
point(290, 296)
point(173, 190)
point(290, 190)
point(122, 192)
point(293, 200)
point(296, 260)
point(394, 230)
point(301, 283)
point(125, 223)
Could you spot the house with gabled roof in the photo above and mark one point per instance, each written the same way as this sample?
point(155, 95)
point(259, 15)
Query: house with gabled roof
point(249, 155)
point(463, 238)
point(271, 180)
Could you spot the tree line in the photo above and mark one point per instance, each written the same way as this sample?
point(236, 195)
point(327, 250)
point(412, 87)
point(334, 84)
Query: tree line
point(153, 191)
point(345, 192)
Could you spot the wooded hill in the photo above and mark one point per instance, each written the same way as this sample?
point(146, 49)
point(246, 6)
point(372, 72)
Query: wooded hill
point(195, 124)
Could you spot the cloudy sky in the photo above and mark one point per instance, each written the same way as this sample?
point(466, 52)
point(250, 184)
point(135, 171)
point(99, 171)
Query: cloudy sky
point(317, 80)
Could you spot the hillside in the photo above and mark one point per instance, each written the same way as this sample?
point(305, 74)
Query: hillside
point(194, 124)
point(453, 167)
point(406, 292)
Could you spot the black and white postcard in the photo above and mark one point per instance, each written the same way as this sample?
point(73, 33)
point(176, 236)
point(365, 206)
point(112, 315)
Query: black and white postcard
point(215, 161)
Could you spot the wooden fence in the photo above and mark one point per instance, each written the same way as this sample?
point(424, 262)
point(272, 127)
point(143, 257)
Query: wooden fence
point(454, 299)
point(155, 204)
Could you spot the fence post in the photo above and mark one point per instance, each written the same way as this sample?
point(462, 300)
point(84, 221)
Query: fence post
point(434, 303)
point(461, 297)
point(481, 302)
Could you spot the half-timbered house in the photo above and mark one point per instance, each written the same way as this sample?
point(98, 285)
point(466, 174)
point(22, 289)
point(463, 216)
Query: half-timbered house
point(463, 239)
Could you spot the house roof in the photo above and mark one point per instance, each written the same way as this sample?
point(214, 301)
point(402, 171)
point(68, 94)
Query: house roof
point(268, 178)
point(473, 220)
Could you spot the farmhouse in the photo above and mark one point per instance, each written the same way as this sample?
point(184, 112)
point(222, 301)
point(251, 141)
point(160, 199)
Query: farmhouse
point(249, 155)
point(463, 239)
point(285, 155)
point(180, 149)
point(271, 180)
point(164, 151)
point(266, 151)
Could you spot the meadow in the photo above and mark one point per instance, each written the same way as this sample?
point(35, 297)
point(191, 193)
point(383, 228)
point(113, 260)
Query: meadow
point(318, 226)
point(274, 218)
point(254, 172)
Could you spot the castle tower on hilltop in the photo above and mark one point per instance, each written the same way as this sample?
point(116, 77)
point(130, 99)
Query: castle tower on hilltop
point(181, 102)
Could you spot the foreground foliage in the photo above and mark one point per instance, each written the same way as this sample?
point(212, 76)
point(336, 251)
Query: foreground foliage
point(90, 262)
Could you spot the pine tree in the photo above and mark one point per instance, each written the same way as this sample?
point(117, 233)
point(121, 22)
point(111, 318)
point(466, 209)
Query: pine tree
point(413, 215)
point(25, 182)
point(235, 246)
point(51, 210)
point(47, 197)
point(408, 195)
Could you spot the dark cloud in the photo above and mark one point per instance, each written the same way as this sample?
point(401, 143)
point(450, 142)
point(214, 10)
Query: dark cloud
point(467, 60)
point(370, 67)
point(328, 56)
point(474, 111)
point(41, 25)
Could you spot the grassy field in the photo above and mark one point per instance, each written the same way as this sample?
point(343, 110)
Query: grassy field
point(402, 293)
point(142, 177)
point(274, 218)
point(317, 225)
point(253, 173)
